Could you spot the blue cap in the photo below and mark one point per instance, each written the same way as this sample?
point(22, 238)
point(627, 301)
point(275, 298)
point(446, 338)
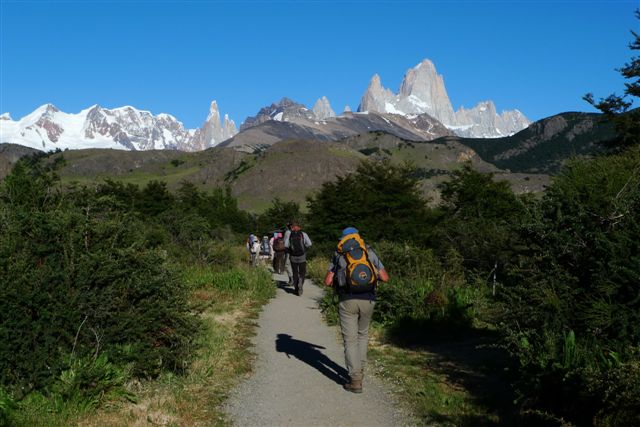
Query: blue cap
point(349, 230)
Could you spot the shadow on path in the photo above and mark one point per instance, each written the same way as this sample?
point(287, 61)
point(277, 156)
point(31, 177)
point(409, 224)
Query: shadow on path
point(285, 287)
point(312, 356)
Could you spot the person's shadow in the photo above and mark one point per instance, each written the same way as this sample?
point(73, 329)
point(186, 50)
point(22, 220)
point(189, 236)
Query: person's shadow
point(285, 287)
point(312, 356)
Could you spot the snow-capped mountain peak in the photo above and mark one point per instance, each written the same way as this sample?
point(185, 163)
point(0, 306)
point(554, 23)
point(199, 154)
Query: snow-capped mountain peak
point(423, 91)
point(123, 127)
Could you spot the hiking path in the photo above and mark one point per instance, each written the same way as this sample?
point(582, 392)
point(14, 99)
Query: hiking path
point(299, 371)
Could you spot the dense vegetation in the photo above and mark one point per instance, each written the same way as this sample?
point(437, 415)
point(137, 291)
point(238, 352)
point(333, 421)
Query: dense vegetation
point(556, 277)
point(92, 292)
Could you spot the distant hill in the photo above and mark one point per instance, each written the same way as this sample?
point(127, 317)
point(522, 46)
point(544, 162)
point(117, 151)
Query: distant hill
point(10, 154)
point(545, 144)
point(293, 125)
point(294, 168)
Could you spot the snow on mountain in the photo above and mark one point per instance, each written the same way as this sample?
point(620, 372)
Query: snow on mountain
point(423, 91)
point(285, 110)
point(123, 128)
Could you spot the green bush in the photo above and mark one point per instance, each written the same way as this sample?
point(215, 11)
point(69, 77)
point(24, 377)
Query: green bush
point(88, 380)
point(77, 277)
point(571, 311)
point(7, 406)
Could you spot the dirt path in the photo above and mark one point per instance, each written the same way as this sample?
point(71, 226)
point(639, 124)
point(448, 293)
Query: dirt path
point(299, 371)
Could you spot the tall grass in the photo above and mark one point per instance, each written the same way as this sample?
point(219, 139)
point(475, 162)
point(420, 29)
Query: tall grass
point(227, 299)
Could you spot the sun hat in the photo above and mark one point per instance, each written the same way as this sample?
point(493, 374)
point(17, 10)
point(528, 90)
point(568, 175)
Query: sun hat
point(349, 230)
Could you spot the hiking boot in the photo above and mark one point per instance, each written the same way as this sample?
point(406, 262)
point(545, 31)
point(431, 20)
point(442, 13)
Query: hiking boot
point(299, 291)
point(355, 385)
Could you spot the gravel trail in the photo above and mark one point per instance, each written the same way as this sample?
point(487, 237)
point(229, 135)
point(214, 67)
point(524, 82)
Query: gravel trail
point(299, 371)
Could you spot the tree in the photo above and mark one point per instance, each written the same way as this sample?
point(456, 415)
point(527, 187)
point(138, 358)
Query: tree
point(616, 108)
point(479, 217)
point(382, 200)
point(278, 214)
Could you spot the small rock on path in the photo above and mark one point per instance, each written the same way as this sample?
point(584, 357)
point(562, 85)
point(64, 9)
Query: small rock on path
point(299, 371)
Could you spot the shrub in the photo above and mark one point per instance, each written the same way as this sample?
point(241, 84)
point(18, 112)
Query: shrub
point(88, 380)
point(571, 310)
point(7, 406)
point(77, 277)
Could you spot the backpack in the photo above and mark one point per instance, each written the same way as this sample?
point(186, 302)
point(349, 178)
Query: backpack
point(278, 244)
point(361, 274)
point(264, 247)
point(296, 243)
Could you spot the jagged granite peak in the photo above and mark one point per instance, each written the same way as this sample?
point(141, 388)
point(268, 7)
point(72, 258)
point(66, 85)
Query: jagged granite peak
point(423, 91)
point(285, 110)
point(213, 111)
point(376, 97)
point(322, 109)
point(229, 128)
point(347, 109)
point(213, 131)
point(125, 127)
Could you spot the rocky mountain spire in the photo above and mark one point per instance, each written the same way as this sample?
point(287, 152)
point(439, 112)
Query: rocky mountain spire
point(423, 91)
point(322, 109)
point(213, 131)
point(229, 128)
point(376, 97)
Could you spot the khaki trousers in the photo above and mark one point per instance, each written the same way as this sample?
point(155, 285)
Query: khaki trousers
point(355, 316)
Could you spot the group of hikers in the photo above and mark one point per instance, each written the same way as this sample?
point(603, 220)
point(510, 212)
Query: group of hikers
point(287, 251)
point(354, 272)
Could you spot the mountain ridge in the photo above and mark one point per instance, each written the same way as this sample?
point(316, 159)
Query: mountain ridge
point(124, 128)
point(422, 92)
point(292, 169)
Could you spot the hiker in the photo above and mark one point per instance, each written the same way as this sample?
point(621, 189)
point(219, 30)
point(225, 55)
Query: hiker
point(354, 272)
point(265, 248)
point(287, 258)
point(279, 253)
point(297, 241)
point(271, 240)
point(253, 246)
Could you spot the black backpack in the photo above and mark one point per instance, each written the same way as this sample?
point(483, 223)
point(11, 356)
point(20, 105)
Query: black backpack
point(296, 243)
point(265, 249)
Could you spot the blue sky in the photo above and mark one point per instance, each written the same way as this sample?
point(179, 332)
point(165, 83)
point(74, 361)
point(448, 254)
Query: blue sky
point(175, 57)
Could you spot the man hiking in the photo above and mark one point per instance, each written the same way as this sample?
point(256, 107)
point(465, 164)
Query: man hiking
point(354, 272)
point(253, 245)
point(297, 241)
point(279, 253)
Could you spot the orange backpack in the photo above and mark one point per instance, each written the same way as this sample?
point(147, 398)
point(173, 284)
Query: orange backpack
point(361, 273)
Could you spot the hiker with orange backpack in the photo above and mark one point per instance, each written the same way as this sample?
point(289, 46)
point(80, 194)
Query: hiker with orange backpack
point(297, 241)
point(354, 272)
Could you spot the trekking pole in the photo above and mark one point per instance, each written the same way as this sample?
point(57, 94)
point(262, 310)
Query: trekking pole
point(495, 268)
